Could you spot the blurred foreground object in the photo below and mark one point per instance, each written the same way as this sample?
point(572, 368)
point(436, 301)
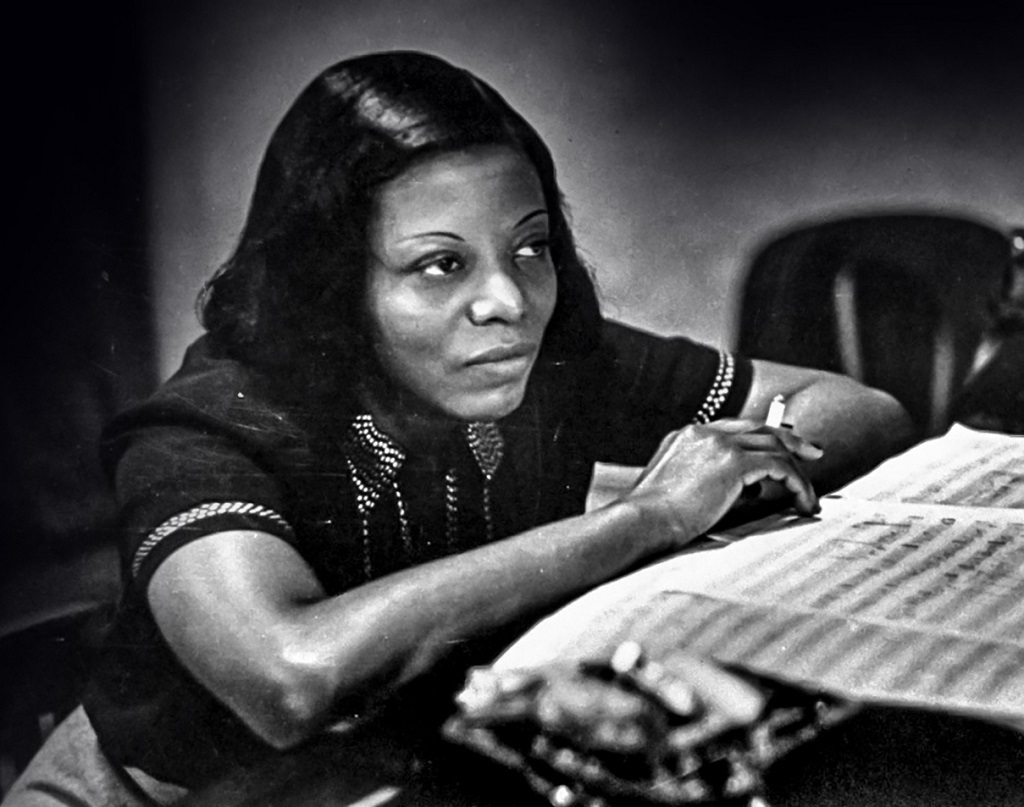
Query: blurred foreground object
point(635, 731)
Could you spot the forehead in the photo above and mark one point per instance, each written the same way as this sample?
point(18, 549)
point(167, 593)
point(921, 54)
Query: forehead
point(491, 182)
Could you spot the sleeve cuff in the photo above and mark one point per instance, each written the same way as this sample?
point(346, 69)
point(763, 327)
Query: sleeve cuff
point(205, 519)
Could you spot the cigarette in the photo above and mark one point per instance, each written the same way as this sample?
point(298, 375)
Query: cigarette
point(776, 412)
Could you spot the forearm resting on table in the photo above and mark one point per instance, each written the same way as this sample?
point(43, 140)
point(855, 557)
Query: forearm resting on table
point(857, 426)
point(248, 618)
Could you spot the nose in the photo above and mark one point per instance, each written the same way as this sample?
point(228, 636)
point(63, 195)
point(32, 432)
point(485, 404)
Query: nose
point(497, 296)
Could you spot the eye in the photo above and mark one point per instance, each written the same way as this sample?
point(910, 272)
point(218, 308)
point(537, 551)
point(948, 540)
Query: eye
point(537, 248)
point(439, 266)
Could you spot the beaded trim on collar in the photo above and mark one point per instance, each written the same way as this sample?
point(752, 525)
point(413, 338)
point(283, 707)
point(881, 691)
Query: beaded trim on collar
point(374, 461)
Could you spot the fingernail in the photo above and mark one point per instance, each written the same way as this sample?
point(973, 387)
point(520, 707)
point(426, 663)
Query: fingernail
point(813, 451)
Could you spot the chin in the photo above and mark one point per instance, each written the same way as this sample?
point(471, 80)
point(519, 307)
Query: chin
point(493, 405)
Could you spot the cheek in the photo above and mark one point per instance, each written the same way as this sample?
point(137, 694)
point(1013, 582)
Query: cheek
point(545, 296)
point(405, 329)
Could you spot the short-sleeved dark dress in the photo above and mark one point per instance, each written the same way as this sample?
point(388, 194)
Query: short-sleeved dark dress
point(221, 447)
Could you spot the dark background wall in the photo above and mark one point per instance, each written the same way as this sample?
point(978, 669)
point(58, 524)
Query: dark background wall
point(686, 133)
point(76, 310)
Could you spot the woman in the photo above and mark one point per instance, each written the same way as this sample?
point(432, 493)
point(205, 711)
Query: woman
point(371, 471)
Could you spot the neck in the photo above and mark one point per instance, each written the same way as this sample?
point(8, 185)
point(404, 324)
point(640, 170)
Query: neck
point(407, 421)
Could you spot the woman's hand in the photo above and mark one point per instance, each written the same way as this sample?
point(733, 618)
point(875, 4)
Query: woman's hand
point(699, 473)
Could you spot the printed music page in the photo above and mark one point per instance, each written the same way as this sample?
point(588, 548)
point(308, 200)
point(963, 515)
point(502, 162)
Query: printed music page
point(964, 467)
point(887, 601)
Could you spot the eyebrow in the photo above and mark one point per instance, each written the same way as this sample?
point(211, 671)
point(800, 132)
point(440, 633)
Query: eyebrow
point(541, 211)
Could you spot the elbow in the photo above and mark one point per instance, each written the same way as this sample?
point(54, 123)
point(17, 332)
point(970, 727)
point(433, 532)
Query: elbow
point(296, 713)
point(898, 426)
point(885, 427)
point(882, 421)
point(890, 422)
point(296, 703)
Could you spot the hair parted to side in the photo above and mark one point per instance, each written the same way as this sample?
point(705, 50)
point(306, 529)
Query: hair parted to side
point(293, 291)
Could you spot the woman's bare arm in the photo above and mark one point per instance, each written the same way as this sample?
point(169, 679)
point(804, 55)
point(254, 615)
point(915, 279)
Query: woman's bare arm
point(249, 619)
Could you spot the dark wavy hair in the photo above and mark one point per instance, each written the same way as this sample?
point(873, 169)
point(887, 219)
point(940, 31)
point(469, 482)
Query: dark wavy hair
point(293, 292)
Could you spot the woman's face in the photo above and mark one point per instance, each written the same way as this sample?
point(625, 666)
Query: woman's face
point(461, 282)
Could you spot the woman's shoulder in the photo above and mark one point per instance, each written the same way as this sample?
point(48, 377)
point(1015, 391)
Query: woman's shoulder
point(636, 386)
point(215, 392)
point(210, 386)
point(646, 362)
point(621, 338)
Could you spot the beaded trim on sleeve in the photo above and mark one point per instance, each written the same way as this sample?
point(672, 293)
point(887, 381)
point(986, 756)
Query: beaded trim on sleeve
point(719, 388)
point(198, 513)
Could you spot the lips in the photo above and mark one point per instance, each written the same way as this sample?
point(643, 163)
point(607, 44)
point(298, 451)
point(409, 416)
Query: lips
point(502, 353)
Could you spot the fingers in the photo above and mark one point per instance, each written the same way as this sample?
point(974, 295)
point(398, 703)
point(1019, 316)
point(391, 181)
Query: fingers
point(785, 472)
point(793, 443)
point(765, 438)
point(699, 473)
point(735, 425)
point(770, 456)
point(755, 434)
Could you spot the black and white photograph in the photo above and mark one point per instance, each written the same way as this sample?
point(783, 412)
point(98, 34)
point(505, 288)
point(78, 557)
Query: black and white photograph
point(578, 403)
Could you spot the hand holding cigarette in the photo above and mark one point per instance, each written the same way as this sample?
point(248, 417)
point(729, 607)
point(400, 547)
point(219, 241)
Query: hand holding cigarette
point(768, 490)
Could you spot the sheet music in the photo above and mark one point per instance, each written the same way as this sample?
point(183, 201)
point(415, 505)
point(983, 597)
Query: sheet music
point(963, 467)
point(886, 601)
